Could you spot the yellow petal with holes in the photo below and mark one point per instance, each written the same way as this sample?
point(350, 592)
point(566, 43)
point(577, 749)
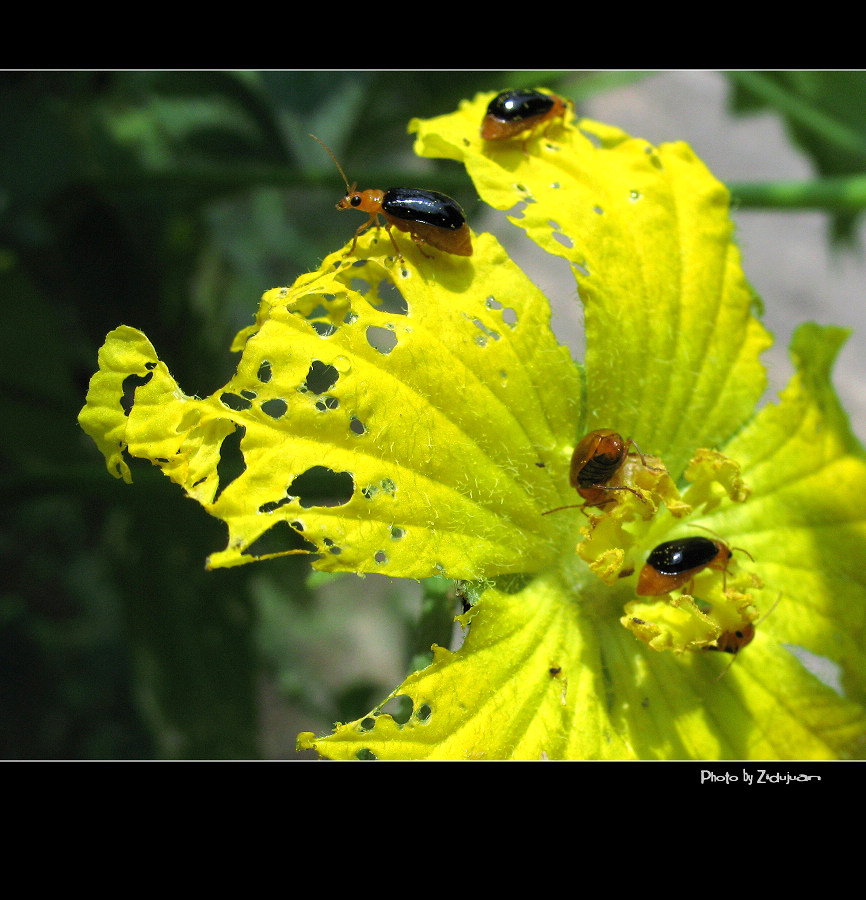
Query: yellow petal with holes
point(410, 419)
point(673, 347)
point(547, 674)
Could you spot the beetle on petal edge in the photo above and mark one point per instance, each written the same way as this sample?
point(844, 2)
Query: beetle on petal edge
point(512, 112)
point(594, 462)
point(428, 217)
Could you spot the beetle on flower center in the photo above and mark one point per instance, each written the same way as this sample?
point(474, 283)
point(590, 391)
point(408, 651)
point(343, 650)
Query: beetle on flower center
point(674, 563)
point(594, 462)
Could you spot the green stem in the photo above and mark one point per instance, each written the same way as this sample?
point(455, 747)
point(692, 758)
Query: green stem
point(801, 111)
point(843, 194)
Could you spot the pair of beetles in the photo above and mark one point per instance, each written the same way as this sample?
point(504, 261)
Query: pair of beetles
point(434, 219)
point(595, 461)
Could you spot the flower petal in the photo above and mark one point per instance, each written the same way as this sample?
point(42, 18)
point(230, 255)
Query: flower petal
point(806, 524)
point(672, 345)
point(548, 672)
point(408, 420)
point(524, 685)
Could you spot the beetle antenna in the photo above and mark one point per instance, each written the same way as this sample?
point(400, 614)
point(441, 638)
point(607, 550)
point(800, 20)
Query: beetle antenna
point(339, 167)
point(724, 671)
point(643, 461)
point(710, 530)
point(558, 508)
point(767, 613)
point(759, 619)
point(605, 487)
point(704, 528)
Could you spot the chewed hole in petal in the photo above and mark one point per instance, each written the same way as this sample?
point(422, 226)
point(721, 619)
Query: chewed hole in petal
point(488, 332)
point(400, 708)
point(320, 486)
point(235, 402)
point(275, 408)
point(279, 538)
point(392, 301)
point(386, 486)
point(382, 339)
point(231, 464)
point(324, 329)
point(321, 377)
point(509, 314)
point(559, 236)
point(130, 383)
point(274, 505)
point(321, 320)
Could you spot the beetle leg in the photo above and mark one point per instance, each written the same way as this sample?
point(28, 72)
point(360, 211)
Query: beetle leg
point(419, 243)
point(373, 218)
point(391, 235)
point(620, 487)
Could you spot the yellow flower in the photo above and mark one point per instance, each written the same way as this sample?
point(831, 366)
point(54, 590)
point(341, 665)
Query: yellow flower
point(418, 418)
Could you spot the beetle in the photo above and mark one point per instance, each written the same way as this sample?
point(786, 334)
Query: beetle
point(595, 460)
point(673, 563)
point(427, 216)
point(733, 641)
point(512, 112)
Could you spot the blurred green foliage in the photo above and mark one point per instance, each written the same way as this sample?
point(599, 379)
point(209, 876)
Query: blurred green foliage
point(171, 201)
point(825, 116)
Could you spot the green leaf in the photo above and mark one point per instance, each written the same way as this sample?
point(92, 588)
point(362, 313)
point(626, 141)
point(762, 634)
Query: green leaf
point(823, 110)
point(825, 114)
